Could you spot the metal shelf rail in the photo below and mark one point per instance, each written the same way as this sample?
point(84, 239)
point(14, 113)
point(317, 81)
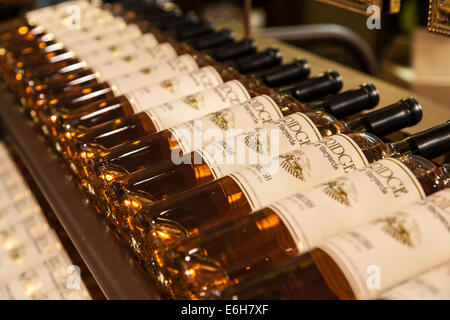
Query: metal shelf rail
point(111, 263)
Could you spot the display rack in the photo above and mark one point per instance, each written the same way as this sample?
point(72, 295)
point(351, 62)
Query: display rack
point(109, 260)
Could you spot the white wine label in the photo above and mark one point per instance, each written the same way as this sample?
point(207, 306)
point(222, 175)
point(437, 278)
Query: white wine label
point(23, 232)
point(91, 32)
point(250, 114)
point(31, 284)
point(298, 169)
point(109, 39)
point(63, 27)
point(171, 89)
point(12, 213)
point(151, 74)
point(119, 50)
point(349, 200)
point(198, 104)
point(432, 285)
point(56, 12)
point(380, 255)
point(259, 146)
point(24, 255)
point(39, 281)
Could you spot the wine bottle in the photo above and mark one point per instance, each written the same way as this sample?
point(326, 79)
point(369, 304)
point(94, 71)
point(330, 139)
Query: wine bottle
point(430, 285)
point(66, 122)
point(331, 157)
point(93, 17)
point(141, 59)
point(139, 124)
point(125, 194)
point(257, 111)
point(415, 237)
point(95, 48)
point(72, 90)
point(145, 57)
point(182, 65)
point(26, 29)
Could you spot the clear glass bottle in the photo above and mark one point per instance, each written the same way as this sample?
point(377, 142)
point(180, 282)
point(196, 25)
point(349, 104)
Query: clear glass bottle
point(65, 61)
point(38, 38)
point(135, 126)
point(68, 90)
point(318, 275)
point(65, 120)
point(123, 195)
point(166, 223)
point(140, 153)
point(101, 170)
point(67, 64)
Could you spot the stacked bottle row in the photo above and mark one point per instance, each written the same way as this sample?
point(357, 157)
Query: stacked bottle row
point(34, 264)
point(221, 167)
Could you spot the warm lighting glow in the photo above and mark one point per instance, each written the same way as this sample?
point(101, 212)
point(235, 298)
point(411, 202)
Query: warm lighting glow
point(2, 51)
point(23, 30)
point(268, 222)
point(190, 272)
point(110, 177)
point(53, 101)
point(87, 90)
point(27, 50)
point(53, 118)
point(163, 235)
point(127, 203)
point(18, 77)
point(31, 287)
point(135, 204)
point(202, 171)
point(234, 197)
point(8, 243)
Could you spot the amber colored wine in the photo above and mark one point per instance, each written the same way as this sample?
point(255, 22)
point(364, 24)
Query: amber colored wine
point(198, 93)
point(141, 154)
point(145, 166)
point(113, 133)
point(67, 121)
point(302, 221)
point(386, 242)
point(170, 223)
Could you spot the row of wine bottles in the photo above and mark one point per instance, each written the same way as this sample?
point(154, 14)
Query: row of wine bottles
point(229, 173)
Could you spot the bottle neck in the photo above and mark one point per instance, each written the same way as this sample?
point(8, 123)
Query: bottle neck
point(402, 146)
point(287, 103)
point(355, 124)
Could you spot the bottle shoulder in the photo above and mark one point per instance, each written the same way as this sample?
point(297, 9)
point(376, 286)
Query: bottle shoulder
point(325, 122)
point(372, 146)
point(431, 177)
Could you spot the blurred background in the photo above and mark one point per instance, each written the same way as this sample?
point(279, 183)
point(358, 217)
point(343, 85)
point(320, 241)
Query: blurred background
point(401, 51)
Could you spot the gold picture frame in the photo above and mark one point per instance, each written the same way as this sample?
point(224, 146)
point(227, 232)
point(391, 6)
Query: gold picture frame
point(439, 17)
point(358, 6)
